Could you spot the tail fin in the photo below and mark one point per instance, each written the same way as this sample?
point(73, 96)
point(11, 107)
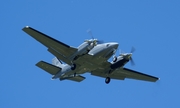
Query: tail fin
point(56, 62)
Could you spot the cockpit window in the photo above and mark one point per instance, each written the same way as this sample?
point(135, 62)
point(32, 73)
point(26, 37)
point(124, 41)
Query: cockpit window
point(107, 45)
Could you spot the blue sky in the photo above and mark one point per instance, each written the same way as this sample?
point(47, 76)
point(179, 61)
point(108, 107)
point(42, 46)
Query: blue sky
point(151, 26)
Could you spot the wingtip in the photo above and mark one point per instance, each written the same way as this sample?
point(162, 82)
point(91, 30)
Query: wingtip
point(26, 27)
point(157, 79)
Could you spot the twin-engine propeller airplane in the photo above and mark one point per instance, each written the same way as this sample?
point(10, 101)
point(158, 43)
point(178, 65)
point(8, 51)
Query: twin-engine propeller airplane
point(91, 56)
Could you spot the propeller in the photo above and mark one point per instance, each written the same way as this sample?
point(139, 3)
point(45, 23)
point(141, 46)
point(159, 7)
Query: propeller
point(131, 59)
point(133, 49)
point(90, 33)
point(95, 41)
point(129, 55)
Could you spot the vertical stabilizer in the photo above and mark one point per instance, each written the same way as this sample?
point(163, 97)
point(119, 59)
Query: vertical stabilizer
point(56, 62)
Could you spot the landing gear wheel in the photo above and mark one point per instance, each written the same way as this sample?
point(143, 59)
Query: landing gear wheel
point(73, 67)
point(107, 80)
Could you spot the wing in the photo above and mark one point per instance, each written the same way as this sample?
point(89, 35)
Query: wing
point(48, 67)
point(123, 73)
point(127, 73)
point(51, 43)
point(104, 73)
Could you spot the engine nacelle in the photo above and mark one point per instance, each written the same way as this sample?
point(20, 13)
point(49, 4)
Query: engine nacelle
point(118, 62)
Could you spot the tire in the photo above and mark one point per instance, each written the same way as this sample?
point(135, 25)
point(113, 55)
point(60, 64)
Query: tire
point(73, 67)
point(107, 80)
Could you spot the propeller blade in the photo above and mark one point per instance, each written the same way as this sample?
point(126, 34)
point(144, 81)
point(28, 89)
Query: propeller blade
point(132, 61)
point(100, 41)
point(90, 33)
point(95, 41)
point(133, 49)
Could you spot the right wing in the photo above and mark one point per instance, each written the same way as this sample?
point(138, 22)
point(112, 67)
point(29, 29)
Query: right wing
point(53, 70)
point(50, 42)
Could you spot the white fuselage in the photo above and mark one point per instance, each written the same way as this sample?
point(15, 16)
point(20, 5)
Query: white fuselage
point(105, 50)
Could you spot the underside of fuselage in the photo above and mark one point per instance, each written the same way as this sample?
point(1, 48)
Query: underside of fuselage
point(104, 50)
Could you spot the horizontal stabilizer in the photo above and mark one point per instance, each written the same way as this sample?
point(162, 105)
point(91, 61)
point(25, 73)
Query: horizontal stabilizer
point(77, 78)
point(53, 70)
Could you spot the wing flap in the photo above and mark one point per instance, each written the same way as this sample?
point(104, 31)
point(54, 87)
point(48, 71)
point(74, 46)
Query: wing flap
point(50, 42)
point(102, 73)
point(53, 70)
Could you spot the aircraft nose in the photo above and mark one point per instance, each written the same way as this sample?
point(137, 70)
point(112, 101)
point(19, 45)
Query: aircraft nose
point(114, 45)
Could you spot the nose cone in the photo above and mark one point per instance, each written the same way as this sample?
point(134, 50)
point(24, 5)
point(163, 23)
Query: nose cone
point(114, 45)
point(129, 55)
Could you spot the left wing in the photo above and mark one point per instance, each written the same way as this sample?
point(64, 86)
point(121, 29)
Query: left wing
point(50, 42)
point(122, 73)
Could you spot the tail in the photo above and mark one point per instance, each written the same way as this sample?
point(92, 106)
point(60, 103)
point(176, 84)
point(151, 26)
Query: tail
point(57, 63)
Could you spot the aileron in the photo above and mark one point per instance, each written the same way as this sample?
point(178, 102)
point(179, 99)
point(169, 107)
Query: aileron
point(140, 76)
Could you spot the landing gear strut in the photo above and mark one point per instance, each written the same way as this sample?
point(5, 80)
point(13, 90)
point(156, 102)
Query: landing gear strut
point(107, 80)
point(74, 74)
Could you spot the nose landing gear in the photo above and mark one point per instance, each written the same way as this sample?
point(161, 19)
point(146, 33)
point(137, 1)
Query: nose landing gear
point(107, 80)
point(73, 67)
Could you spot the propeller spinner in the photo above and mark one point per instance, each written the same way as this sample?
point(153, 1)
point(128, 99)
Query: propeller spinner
point(128, 56)
point(93, 40)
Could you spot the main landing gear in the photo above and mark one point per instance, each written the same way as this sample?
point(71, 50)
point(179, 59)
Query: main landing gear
point(73, 67)
point(75, 74)
point(107, 80)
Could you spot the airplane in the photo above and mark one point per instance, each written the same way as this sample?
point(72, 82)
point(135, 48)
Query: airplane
point(90, 56)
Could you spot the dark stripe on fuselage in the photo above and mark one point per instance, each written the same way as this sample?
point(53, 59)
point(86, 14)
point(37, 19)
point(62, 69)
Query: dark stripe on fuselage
point(49, 37)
